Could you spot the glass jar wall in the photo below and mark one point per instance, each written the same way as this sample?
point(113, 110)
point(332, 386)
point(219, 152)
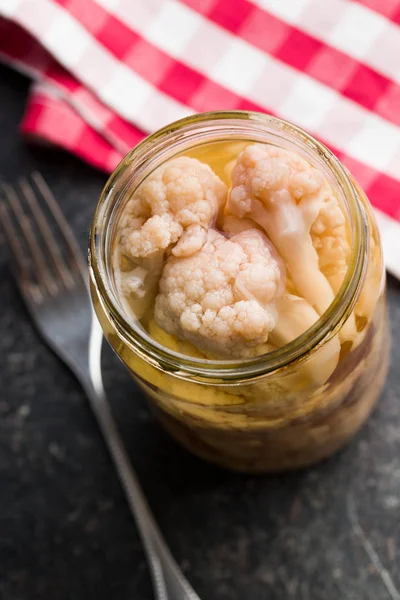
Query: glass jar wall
point(282, 410)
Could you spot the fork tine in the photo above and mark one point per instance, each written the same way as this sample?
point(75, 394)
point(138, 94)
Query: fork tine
point(13, 241)
point(18, 254)
point(42, 272)
point(48, 237)
point(59, 218)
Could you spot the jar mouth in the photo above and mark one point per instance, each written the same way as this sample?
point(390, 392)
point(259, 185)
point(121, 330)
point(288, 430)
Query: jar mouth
point(212, 127)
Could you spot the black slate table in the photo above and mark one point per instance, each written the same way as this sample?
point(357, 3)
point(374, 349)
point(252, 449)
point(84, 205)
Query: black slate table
point(328, 533)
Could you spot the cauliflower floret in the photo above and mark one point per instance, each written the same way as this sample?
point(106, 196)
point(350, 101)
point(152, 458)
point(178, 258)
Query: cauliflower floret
point(330, 239)
point(136, 283)
point(283, 194)
point(181, 194)
point(222, 299)
point(171, 209)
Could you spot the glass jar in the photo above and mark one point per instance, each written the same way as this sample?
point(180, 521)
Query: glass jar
point(279, 411)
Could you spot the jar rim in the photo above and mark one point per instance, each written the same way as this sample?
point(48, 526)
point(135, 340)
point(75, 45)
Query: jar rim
point(239, 369)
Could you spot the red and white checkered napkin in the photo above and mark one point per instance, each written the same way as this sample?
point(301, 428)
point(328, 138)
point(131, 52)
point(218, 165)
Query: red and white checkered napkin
point(107, 72)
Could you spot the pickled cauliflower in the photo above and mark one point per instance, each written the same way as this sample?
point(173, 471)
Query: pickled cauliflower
point(182, 197)
point(256, 285)
point(296, 315)
point(330, 239)
point(170, 211)
point(222, 299)
point(293, 203)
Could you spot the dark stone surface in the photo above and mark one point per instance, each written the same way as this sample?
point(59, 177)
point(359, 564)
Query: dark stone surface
point(328, 533)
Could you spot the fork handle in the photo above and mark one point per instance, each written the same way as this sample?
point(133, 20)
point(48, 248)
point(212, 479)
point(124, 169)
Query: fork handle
point(168, 580)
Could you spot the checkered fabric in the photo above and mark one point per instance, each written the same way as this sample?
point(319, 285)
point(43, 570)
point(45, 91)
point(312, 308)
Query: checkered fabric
point(107, 72)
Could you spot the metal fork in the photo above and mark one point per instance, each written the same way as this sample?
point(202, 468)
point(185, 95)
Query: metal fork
point(54, 285)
